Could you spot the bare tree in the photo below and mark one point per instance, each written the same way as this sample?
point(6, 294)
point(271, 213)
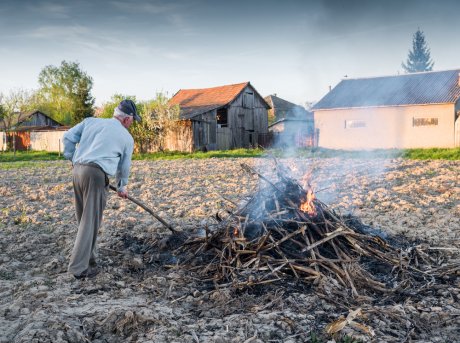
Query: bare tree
point(12, 105)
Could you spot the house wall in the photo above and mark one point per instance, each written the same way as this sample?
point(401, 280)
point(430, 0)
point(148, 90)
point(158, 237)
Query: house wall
point(386, 127)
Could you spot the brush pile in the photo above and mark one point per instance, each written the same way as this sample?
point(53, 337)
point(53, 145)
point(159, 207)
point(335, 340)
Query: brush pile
point(283, 234)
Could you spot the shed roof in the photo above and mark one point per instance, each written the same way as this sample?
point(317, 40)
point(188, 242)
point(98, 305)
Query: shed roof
point(409, 89)
point(196, 101)
point(21, 117)
point(287, 108)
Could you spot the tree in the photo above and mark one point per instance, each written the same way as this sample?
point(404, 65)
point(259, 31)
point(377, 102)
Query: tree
point(158, 119)
point(66, 92)
point(419, 58)
point(12, 105)
point(109, 106)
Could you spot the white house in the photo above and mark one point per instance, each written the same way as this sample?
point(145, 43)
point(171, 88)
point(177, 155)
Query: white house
point(419, 110)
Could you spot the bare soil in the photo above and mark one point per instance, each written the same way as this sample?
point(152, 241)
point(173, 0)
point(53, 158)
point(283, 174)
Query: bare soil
point(141, 295)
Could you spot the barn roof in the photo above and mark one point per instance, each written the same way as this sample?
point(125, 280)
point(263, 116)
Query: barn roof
point(409, 89)
point(196, 101)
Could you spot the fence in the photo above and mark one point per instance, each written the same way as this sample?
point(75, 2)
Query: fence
point(33, 140)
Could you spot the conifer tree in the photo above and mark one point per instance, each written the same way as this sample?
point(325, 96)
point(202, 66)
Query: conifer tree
point(419, 58)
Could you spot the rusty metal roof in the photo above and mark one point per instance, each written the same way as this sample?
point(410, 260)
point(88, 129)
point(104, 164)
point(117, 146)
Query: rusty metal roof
point(196, 101)
point(409, 89)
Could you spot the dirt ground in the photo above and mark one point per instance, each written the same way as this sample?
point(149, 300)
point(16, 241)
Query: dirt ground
point(140, 297)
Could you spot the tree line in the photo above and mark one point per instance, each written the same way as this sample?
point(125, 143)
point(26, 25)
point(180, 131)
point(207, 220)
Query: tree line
point(64, 94)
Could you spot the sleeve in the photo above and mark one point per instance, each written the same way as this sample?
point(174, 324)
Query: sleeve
point(71, 138)
point(124, 166)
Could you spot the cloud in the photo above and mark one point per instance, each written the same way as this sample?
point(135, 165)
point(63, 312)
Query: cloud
point(141, 6)
point(51, 10)
point(68, 32)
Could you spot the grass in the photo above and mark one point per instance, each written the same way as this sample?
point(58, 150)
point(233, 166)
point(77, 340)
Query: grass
point(432, 154)
point(28, 159)
point(174, 155)
point(9, 156)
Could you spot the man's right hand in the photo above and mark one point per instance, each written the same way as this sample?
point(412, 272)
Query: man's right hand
point(123, 194)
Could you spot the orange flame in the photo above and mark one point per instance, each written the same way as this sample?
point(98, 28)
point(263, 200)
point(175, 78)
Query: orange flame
point(307, 206)
point(235, 232)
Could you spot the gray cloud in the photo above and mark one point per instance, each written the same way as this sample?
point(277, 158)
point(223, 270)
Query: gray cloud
point(52, 10)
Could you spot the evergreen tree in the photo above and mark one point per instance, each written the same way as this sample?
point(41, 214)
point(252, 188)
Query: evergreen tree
point(419, 57)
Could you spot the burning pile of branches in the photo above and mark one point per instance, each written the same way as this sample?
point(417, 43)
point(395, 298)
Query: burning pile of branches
point(285, 233)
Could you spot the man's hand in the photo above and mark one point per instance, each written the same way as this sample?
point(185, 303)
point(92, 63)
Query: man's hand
point(123, 194)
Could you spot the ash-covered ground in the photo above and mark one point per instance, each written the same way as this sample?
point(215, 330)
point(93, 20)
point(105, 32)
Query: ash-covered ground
point(141, 296)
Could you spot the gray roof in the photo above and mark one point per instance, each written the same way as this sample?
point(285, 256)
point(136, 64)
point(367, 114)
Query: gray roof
point(286, 109)
point(409, 89)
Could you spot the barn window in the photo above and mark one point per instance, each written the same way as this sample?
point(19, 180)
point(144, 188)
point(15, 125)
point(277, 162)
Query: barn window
point(248, 100)
point(222, 117)
point(352, 124)
point(424, 121)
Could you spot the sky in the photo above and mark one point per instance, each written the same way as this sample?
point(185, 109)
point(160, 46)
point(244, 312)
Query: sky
point(295, 49)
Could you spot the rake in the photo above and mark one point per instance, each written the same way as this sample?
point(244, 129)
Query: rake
point(180, 236)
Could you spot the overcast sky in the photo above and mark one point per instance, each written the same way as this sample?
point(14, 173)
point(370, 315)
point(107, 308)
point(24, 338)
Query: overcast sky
point(296, 49)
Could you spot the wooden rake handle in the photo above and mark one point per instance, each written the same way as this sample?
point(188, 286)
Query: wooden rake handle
point(141, 204)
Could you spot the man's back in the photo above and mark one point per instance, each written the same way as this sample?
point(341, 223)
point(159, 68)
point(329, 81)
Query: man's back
point(101, 141)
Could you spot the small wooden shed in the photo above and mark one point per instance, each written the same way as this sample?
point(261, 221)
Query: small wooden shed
point(224, 117)
point(291, 125)
point(17, 129)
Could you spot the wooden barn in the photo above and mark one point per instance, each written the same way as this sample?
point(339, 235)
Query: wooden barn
point(17, 131)
point(291, 125)
point(418, 110)
point(222, 118)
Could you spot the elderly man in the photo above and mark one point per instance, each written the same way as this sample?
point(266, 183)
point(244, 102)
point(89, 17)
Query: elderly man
point(104, 148)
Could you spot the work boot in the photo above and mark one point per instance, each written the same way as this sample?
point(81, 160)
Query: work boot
point(88, 273)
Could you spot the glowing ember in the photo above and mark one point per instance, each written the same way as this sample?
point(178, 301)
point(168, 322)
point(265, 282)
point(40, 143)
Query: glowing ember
point(235, 231)
point(307, 206)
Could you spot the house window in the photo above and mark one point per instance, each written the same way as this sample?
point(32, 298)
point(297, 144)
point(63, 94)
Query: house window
point(424, 121)
point(222, 117)
point(352, 124)
point(248, 100)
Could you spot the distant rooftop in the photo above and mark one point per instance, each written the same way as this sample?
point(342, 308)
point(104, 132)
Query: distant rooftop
point(409, 89)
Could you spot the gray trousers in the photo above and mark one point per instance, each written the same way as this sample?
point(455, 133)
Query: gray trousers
point(89, 184)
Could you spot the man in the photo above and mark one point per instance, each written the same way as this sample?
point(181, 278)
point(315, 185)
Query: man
point(104, 148)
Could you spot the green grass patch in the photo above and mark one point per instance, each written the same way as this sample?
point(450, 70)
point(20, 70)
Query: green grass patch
point(411, 154)
point(28, 159)
point(174, 155)
point(9, 156)
point(432, 154)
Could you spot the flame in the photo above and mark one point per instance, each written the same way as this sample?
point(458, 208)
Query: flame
point(305, 180)
point(235, 232)
point(307, 206)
